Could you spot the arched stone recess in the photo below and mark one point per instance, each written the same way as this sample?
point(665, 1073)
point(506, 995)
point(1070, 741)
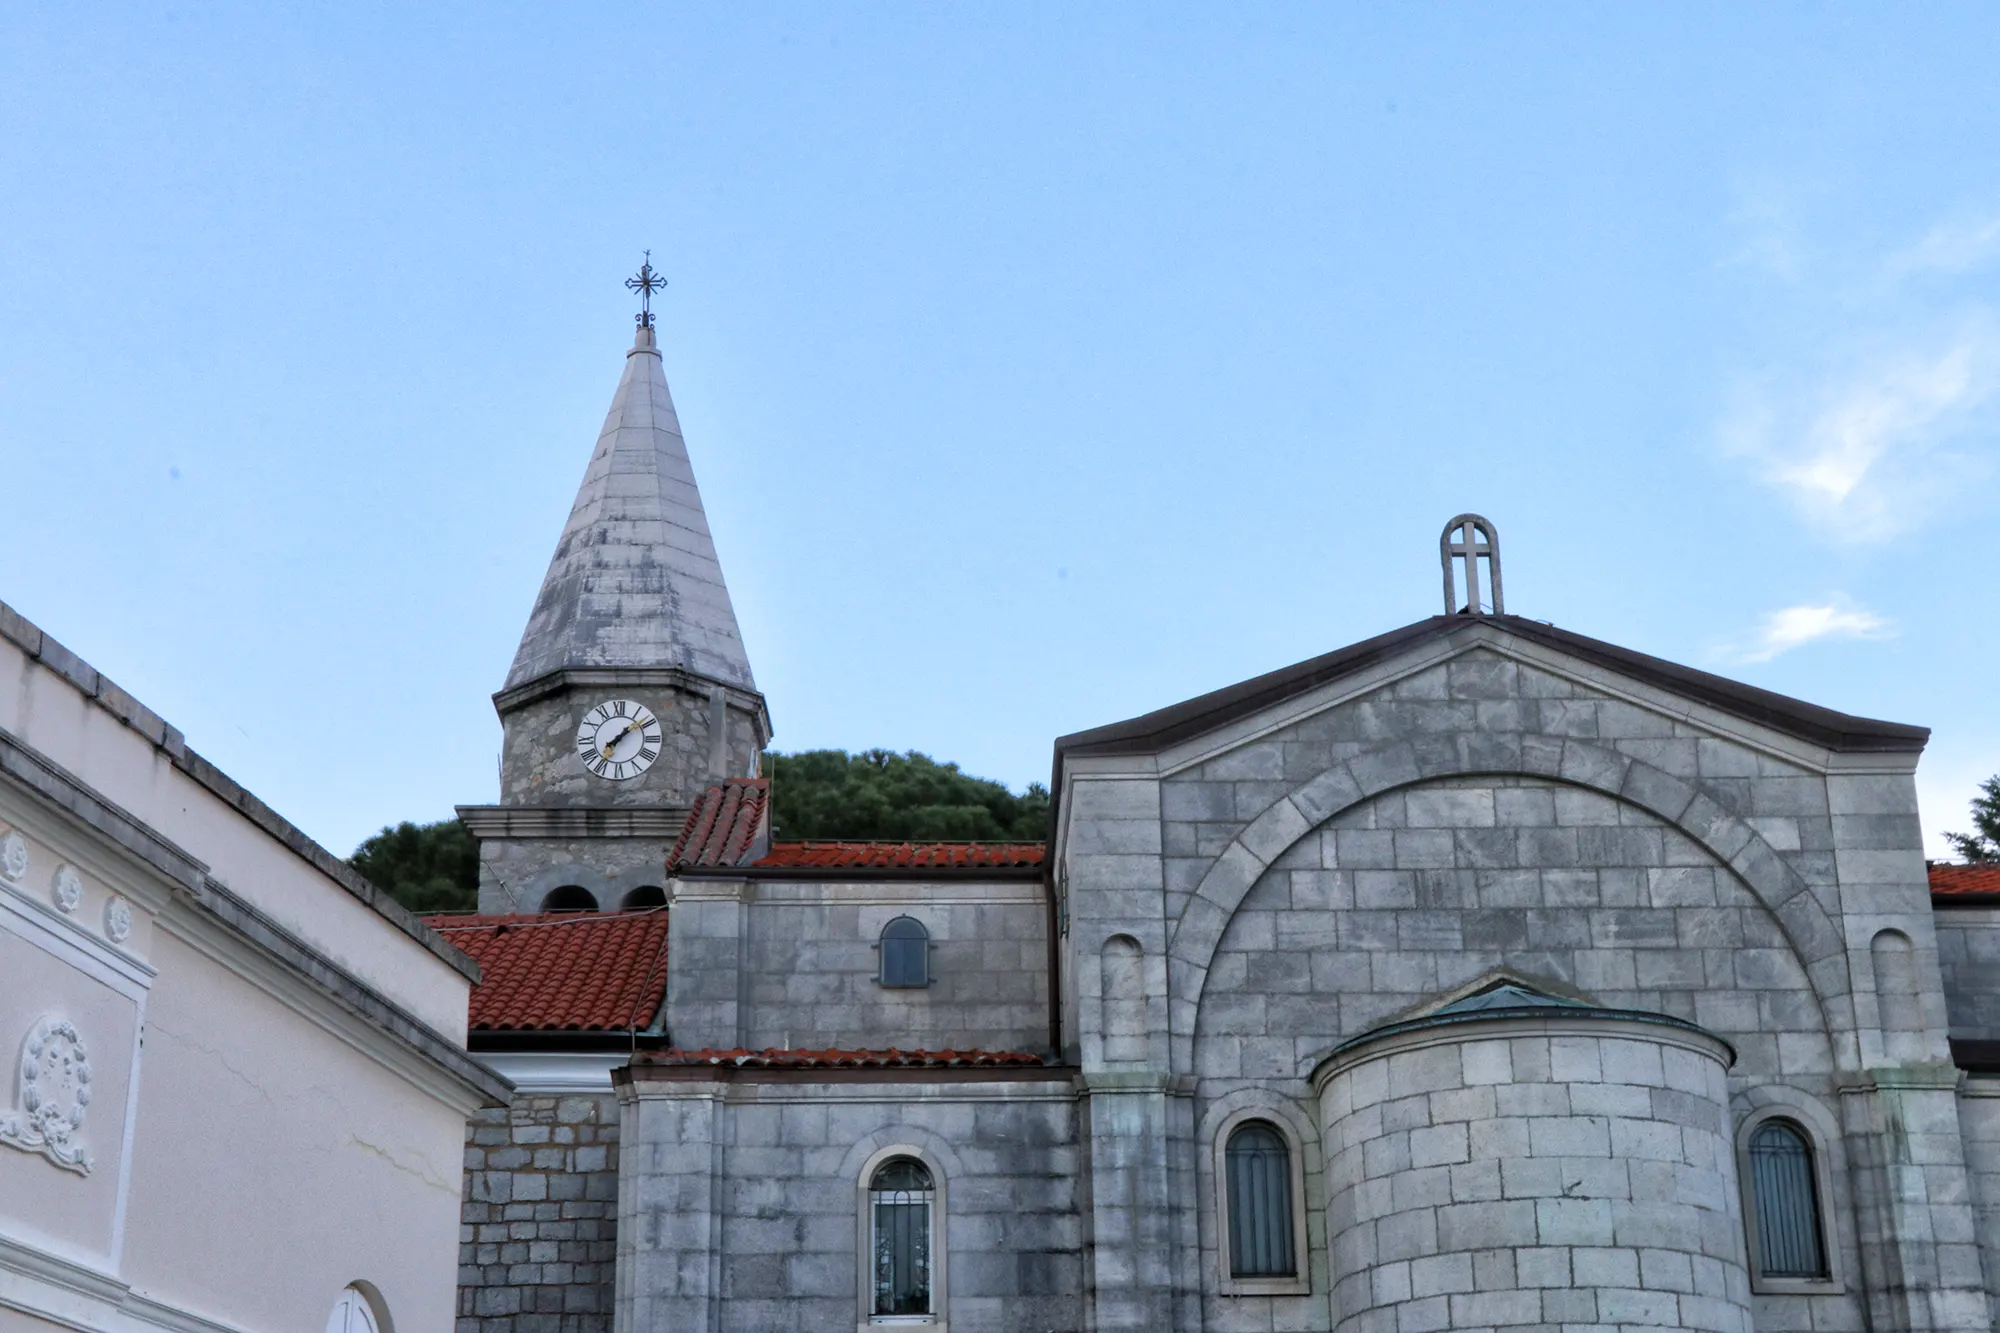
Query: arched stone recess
point(1807, 928)
point(1753, 1104)
point(1299, 1124)
point(1123, 992)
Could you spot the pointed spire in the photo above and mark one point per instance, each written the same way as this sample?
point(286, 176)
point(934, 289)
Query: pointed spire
point(635, 581)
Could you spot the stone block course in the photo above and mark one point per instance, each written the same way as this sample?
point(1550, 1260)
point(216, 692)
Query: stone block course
point(1571, 1216)
point(539, 1238)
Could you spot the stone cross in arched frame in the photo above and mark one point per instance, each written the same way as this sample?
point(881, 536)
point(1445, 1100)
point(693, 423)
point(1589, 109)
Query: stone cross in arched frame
point(1467, 538)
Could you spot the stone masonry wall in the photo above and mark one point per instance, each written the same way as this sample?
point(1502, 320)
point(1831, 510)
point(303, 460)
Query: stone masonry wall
point(1423, 890)
point(744, 1206)
point(1499, 810)
point(1507, 1176)
point(796, 965)
point(1979, 1116)
point(539, 1221)
point(517, 874)
point(1969, 956)
point(539, 764)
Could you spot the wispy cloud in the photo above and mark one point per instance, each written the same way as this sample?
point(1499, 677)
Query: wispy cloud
point(1771, 239)
point(1873, 406)
point(1955, 246)
point(1868, 450)
point(1796, 626)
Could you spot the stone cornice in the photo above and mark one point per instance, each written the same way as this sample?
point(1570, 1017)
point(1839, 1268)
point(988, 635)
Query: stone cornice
point(249, 930)
point(674, 678)
point(1659, 1029)
point(1931, 1075)
point(574, 821)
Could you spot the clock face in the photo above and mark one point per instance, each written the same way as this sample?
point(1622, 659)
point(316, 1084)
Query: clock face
point(618, 739)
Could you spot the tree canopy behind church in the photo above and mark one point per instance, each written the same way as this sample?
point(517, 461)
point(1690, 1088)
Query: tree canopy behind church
point(425, 867)
point(1982, 845)
point(879, 794)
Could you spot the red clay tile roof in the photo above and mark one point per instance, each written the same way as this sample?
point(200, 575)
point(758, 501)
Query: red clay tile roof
point(904, 855)
point(1948, 880)
point(889, 1059)
point(722, 828)
point(566, 971)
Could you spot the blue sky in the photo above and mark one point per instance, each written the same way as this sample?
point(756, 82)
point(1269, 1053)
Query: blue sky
point(1041, 364)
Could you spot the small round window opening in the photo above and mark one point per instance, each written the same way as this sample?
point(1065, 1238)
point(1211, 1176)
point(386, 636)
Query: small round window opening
point(906, 954)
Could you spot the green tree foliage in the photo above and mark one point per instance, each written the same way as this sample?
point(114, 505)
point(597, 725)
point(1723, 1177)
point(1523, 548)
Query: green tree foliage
point(425, 867)
point(1982, 845)
point(878, 794)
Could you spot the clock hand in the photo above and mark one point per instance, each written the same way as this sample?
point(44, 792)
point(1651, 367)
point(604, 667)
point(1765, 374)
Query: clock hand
point(612, 744)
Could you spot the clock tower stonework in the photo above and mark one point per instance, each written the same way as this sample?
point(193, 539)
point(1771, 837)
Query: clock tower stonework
point(633, 619)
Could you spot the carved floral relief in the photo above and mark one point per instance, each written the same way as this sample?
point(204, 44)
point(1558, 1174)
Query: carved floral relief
point(53, 1094)
point(117, 920)
point(13, 855)
point(67, 889)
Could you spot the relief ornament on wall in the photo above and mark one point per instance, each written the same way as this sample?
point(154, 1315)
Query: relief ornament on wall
point(54, 1091)
point(13, 855)
point(67, 889)
point(117, 920)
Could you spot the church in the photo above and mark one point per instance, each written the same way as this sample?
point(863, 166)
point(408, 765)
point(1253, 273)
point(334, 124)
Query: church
point(1479, 975)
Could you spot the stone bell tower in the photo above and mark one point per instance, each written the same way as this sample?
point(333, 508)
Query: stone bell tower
point(631, 692)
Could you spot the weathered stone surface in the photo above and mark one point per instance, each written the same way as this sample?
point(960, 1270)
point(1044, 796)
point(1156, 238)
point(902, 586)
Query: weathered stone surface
point(1224, 921)
point(635, 580)
point(539, 1237)
point(752, 1200)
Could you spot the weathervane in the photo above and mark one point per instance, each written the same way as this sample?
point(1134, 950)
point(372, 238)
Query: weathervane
point(646, 282)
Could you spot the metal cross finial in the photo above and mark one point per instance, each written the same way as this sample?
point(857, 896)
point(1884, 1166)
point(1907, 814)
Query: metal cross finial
point(646, 282)
point(1467, 538)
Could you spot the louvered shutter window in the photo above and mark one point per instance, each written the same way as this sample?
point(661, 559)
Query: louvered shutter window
point(1787, 1198)
point(906, 953)
point(1260, 1202)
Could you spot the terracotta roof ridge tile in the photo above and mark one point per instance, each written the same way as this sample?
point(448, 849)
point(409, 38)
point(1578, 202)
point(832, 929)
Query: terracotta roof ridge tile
point(725, 824)
point(519, 920)
point(1960, 878)
point(599, 973)
point(903, 854)
point(884, 1058)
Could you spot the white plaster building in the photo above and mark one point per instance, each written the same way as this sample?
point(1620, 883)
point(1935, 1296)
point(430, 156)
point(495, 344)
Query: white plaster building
point(236, 1083)
point(1480, 975)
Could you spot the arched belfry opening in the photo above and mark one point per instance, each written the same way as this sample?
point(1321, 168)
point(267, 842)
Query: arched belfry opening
point(1470, 539)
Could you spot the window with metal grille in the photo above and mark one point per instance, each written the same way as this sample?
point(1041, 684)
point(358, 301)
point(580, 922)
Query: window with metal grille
point(1260, 1202)
point(906, 953)
point(900, 1199)
point(1786, 1195)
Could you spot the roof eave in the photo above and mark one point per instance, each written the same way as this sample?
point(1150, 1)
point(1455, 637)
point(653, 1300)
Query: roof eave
point(1155, 731)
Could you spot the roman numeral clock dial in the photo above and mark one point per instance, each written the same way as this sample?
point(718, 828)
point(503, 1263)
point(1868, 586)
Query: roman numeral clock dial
point(618, 739)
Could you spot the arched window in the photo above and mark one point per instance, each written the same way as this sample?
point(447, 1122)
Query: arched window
point(901, 1227)
point(906, 953)
point(1259, 1169)
point(644, 897)
point(352, 1314)
point(1784, 1193)
point(570, 898)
